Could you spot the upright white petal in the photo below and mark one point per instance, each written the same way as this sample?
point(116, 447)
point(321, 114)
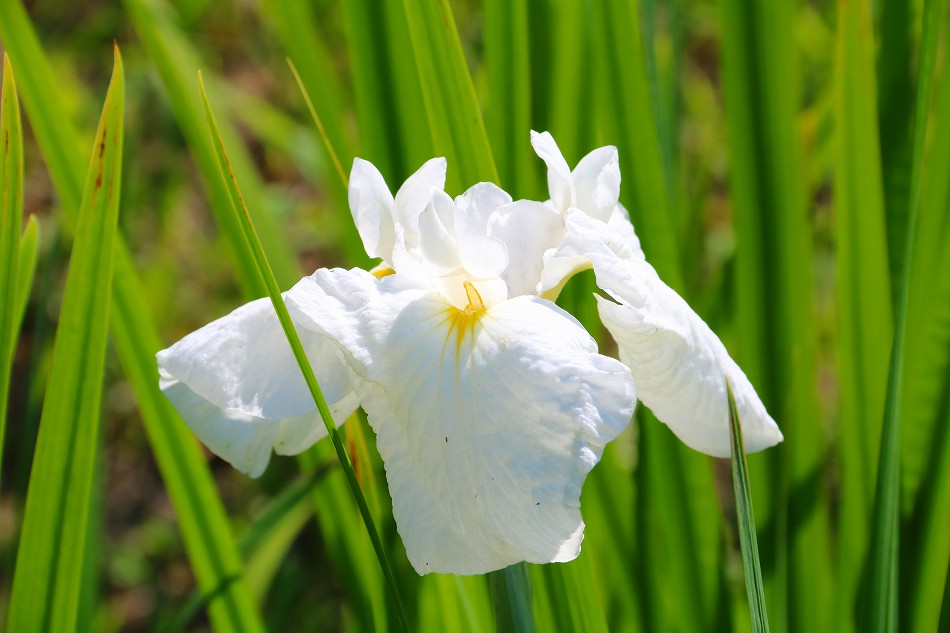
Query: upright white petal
point(371, 204)
point(597, 183)
point(528, 229)
point(560, 182)
point(237, 385)
point(679, 365)
point(488, 423)
point(415, 193)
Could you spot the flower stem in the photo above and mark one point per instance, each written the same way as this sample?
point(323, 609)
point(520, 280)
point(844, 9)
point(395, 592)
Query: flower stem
point(511, 596)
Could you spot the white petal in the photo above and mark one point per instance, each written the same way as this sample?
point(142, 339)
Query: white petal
point(436, 242)
point(619, 222)
point(585, 235)
point(481, 201)
point(679, 365)
point(487, 434)
point(237, 385)
point(416, 192)
point(243, 362)
point(528, 229)
point(560, 181)
point(597, 182)
point(242, 440)
point(371, 204)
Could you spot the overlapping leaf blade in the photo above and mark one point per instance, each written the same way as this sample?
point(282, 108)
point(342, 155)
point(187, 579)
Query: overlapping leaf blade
point(47, 583)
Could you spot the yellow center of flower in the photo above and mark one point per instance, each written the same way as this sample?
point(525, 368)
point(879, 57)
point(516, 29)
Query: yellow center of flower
point(463, 321)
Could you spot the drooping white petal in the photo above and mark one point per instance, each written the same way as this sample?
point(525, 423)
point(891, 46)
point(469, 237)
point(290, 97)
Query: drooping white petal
point(487, 424)
point(416, 192)
point(371, 204)
point(243, 440)
point(238, 386)
point(597, 183)
point(679, 365)
point(560, 181)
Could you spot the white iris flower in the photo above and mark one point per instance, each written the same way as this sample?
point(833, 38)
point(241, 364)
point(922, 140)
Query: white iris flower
point(490, 404)
point(679, 365)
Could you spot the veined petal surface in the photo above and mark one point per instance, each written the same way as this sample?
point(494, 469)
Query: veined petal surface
point(679, 365)
point(236, 383)
point(487, 422)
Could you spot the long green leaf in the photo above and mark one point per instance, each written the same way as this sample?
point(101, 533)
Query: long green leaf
point(863, 292)
point(47, 582)
point(202, 520)
point(774, 315)
point(896, 110)
point(395, 134)
point(11, 212)
point(255, 251)
point(924, 406)
point(176, 62)
point(508, 113)
point(26, 268)
point(630, 122)
point(742, 488)
point(455, 121)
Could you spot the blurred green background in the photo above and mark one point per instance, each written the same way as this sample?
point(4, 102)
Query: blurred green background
point(770, 154)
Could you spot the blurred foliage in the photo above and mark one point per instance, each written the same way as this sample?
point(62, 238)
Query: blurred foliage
point(580, 79)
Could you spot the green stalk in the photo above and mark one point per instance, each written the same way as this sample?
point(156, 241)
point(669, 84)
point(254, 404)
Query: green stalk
point(747, 539)
point(11, 213)
point(511, 597)
point(255, 252)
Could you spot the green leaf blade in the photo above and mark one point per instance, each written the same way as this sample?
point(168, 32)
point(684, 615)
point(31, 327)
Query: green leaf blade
point(863, 292)
point(47, 580)
point(458, 131)
point(204, 526)
point(255, 251)
point(755, 588)
point(11, 212)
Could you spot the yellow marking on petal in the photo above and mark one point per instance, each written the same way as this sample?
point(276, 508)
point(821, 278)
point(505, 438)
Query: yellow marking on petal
point(463, 321)
point(475, 303)
point(382, 271)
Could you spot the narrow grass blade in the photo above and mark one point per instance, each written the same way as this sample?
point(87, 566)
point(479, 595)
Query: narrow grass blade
point(929, 190)
point(26, 268)
point(863, 292)
point(11, 213)
point(511, 596)
point(458, 132)
point(23, 47)
point(48, 575)
point(256, 252)
point(747, 540)
point(630, 122)
point(294, 24)
point(895, 82)
point(176, 61)
point(327, 143)
point(204, 526)
point(278, 511)
point(395, 133)
point(777, 342)
point(508, 112)
point(925, 406)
